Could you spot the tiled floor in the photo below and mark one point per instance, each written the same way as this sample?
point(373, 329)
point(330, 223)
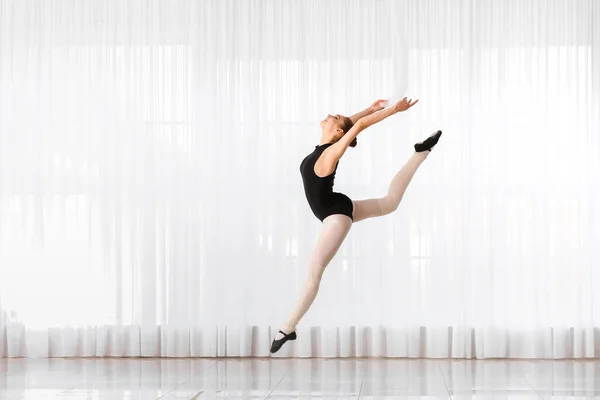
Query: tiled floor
point(66, 379)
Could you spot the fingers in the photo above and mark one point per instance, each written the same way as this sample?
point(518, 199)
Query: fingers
point(405, 104)
point(411, 103)
point(379, 104)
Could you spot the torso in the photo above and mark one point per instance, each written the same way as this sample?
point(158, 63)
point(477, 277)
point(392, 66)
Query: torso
point(319, 192)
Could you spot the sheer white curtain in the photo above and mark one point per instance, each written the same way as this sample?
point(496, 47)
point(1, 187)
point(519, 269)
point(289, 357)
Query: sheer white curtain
point(151, 203)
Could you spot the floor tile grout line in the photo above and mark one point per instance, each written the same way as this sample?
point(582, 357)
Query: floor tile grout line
point(82, 383)
point(275, 387)
point(197, 395)
point(532, 388)
point(362, 379)
point(205, 369)
point(444, 380)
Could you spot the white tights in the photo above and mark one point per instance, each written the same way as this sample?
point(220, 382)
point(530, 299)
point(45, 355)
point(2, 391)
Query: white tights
point(336, 228)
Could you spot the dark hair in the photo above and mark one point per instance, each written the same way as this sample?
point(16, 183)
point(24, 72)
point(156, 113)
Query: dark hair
point(346, 126)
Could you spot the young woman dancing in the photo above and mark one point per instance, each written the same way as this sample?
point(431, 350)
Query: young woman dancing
point(335, 210)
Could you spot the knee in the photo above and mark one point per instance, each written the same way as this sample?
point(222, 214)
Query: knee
point(394, 205)
point(315, 273)
point(389, 204)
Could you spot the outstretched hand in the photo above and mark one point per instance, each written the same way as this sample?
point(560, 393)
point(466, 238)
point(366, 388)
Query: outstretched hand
point(378, 105)
point(405, 104)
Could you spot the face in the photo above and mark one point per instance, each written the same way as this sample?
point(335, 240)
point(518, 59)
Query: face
point(333, 123)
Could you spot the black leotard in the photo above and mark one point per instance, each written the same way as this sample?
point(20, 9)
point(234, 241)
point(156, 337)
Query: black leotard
point(319, 192)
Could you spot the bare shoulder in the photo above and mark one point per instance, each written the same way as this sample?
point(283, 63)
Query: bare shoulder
point(325, 164)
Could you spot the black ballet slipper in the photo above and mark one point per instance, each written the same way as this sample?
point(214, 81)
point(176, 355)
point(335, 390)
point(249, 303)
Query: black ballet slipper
point(276, 345)
point(428, 143)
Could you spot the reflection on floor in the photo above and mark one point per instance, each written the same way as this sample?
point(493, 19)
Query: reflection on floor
point(107, 378)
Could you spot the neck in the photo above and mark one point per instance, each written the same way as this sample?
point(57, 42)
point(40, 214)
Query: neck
point(326, 139)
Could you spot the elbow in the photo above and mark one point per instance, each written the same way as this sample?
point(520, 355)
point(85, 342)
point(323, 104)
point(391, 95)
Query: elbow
point(360, 124)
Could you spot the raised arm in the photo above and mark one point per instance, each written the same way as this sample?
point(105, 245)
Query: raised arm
point(373, 108)
point(338, 149)
point(332, 154)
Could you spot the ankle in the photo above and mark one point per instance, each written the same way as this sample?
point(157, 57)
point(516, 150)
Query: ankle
point(287, 329)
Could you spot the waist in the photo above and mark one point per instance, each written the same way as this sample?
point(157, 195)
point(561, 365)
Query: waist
point(326, 198)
